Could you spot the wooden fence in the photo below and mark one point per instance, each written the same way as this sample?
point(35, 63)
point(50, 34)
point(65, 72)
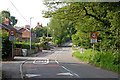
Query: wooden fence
point(17, 51)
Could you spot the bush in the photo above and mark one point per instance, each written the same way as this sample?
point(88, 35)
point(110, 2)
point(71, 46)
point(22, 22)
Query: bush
point(6, 45)
point(25, 45)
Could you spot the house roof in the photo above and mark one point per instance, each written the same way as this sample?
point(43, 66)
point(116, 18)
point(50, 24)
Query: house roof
point(6, 27)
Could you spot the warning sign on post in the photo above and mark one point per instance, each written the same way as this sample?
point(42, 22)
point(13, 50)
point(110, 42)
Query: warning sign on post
point(93, 37)
point(12, 32)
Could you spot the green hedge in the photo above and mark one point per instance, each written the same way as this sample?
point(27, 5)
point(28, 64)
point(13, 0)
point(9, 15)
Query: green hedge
point(106, 59)
point(25, 45)
point(6, 45)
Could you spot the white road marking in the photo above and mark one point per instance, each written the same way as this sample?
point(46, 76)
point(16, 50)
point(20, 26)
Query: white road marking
point(70, 71)
point(64, 74)
point(21, 68)
point(32, 75)
point(56, 61)
point(46, 61)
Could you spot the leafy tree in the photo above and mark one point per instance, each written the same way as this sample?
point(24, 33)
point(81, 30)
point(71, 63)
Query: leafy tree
point(12, 20)
point(102, 18)
point(40, 31)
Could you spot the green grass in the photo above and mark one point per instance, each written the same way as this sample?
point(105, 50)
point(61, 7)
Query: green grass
point(74, 48)
point(105, 60)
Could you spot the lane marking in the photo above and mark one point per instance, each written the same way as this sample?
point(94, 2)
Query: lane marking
point(65, 67)
point(64, 74)
point(70, 71)
point(32, 75)
point(21, 68)
point(33, 66)
point(56, 61)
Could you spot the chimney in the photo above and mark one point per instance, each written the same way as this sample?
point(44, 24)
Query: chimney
point(38, 24)
point(41, 24)
point(6, 21)
point(27, 26)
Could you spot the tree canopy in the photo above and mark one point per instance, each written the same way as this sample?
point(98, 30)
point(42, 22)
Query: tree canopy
point(87, 17)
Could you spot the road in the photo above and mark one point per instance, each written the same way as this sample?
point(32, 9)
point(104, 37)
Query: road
point(56, 63)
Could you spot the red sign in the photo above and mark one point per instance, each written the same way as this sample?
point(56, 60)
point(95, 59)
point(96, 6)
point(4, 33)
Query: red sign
point(93, 35)
point(12, 32)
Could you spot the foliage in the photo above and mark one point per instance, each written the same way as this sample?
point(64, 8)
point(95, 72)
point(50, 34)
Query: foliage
point(40, 31)
point(85, 18)
point(25, 45)
point(6, 45)
point(44, 42)
point(12, 20)
point(105, 60)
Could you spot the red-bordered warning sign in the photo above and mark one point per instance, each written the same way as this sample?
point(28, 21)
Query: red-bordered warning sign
point(93, 35)
point(12, 32)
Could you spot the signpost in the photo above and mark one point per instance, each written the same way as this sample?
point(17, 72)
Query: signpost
point(12, 34)
point(93, 39)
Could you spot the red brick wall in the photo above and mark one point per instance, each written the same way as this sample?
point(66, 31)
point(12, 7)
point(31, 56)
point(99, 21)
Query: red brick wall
point(27, 26)
point(26, 33)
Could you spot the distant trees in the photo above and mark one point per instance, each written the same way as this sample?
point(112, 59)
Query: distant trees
point(40, 31)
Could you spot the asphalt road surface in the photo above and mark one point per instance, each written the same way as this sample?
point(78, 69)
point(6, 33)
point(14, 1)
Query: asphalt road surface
point(56, 63)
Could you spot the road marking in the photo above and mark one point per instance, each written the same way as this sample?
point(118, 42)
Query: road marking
point(32, 75)
point(64, 74)
point(56, 61)
point(31, 66)
point(46, 61)
point(70, 71)
point(21, 68)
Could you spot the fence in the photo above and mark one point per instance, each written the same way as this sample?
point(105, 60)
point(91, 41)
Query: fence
point(17, 51)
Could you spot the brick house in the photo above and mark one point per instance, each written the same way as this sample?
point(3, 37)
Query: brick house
point(38, 26)
point(7, 27)
point(26, 32)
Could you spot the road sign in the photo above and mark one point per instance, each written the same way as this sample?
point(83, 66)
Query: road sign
point(12, 32)
point(93, 41)
point(12, 38)
point(93, 35)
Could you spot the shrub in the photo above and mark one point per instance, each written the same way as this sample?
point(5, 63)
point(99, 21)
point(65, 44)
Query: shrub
point(6, 45)
point(25, 45)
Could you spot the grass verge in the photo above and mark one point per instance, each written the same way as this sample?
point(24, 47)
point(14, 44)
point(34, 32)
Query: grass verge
point(105, 60)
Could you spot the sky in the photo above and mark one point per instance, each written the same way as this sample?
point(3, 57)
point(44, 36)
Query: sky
point(23, 10)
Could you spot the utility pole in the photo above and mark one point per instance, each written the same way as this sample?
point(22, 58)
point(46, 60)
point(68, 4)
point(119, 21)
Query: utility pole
point(53, 36)
point(30, 32)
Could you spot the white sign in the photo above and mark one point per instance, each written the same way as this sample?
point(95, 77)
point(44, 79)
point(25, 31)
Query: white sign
point(93, 40)
point(12, 38)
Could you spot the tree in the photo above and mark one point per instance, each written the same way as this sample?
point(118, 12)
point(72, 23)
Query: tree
point(102, 18)
point(12, 20)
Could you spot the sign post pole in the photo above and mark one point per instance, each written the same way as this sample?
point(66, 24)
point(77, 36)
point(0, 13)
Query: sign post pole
point(12, 34)
point(93, 49)
point(93, 39)
point(12, 50)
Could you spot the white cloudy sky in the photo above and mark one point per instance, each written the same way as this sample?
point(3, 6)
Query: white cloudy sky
point(28, 8)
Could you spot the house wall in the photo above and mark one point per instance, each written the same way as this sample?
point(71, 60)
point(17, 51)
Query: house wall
point(26, 33)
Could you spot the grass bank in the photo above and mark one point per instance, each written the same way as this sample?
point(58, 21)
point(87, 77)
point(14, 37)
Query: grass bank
point(104, 60)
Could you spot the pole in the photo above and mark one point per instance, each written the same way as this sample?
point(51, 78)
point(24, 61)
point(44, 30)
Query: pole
point(47, 29)
point(93, 49)
point(100, 47)
point(12, 50)
point(30, 32)
point(53, 36)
